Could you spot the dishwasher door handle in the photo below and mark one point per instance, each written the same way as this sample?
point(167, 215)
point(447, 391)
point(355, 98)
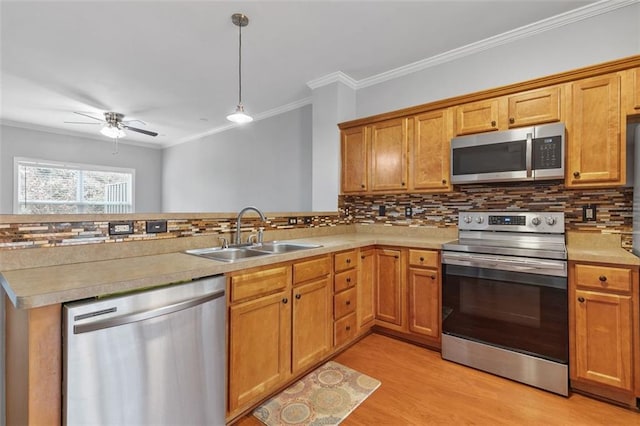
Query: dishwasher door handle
point(145, 315)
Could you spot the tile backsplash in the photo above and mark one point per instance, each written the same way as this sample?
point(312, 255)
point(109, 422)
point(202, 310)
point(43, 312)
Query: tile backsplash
point(614, 206)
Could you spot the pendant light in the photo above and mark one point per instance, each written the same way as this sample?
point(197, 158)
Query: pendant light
point(239, 116)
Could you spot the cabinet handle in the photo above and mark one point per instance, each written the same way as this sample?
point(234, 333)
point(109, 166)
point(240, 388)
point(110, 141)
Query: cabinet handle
point(348, 328)
point(576, 174)
point(512, 120)
point(285, 300)
point(581, 299)
point(348, 279)
point(348, 302)
point(602, 278)
point(348, 260)
point(298, 296)
point(493, 124)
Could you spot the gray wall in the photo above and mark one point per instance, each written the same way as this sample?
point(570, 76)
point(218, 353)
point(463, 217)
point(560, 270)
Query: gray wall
point(266, 163)
point(598, 39)
point(19, 142)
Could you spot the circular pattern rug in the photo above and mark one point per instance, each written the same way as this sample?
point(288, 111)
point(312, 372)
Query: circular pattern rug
point(325, 396)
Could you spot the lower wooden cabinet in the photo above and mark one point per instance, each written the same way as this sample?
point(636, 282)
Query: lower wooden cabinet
point(603, 321)
point(424, 302)
point(366, 289)
point(389, 285)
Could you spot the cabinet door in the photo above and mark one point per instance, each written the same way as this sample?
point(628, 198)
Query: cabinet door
point(388, 287)
point(636, 92)
point(603, 338)
point(353, 148)
point(365, 288)
point(430, 151)
point(477, 117)
point(312, 324)
point(424, 302)
point(534, 107)
point(389, 141)
point(594, 140)
point(259, 347)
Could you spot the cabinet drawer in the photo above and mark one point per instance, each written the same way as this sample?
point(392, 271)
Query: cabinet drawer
point(428, 258)
point(345, 330)
point(310, 269)
point(344, 260)
point(603, 278)
point(257, 283)
point(344, 280)
point(344, 303)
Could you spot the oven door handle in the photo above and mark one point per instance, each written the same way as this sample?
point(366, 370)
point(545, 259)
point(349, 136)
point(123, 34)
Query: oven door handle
point(479, 261)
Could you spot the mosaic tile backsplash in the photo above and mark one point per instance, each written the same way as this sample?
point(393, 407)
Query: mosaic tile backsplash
point(614, 206)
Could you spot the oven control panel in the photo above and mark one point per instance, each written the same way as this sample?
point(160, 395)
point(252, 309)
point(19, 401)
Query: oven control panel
point(539, 222)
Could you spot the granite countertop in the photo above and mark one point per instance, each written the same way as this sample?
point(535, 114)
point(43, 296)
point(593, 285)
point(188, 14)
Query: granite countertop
point(601, 248)
point(35, 287)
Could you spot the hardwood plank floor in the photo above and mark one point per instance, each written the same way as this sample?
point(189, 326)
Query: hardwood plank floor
point(419, 388)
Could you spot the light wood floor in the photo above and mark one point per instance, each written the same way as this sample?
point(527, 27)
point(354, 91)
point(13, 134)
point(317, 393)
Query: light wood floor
point(419, 388)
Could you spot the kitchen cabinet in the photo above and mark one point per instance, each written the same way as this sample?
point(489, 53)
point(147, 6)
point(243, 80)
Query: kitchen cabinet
point(345, 299)
point(366, 289)
point(596, 139)
point(603, 315)
point(354, 160)
point(477, 117)
point(635, 90)
point(389, 284)
point(279, 324)
point(389, 144)
point(429, 153)
point(534, 107)
point(424, 293)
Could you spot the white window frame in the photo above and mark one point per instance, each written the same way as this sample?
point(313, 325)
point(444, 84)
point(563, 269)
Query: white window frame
point(67, 165)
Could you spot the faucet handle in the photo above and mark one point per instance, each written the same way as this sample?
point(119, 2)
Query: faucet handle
point(260, 234)
point(225, 243)
point(252, 236)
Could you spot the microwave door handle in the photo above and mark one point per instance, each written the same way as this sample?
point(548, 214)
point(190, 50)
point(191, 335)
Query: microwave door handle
point(528, 155)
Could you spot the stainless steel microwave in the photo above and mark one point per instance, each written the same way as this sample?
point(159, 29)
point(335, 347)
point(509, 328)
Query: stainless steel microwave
point(524, 154)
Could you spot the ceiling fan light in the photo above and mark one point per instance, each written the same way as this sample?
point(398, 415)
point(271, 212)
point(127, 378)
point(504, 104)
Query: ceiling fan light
point(239, 116)
point(112, 131)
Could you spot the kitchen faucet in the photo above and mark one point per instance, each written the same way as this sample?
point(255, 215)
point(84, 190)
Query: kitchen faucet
point(238, 239)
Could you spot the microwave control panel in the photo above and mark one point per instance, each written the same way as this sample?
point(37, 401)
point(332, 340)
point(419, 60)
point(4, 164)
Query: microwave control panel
point(547, 153)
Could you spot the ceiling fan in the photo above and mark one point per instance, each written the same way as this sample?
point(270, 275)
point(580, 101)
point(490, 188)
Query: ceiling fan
point(113, 125)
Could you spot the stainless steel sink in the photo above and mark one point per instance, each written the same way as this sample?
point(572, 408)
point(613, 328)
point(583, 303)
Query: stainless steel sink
point(283, 247)
point(232, 254)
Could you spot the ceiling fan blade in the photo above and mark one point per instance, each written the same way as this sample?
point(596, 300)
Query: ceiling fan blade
point(127, 122)
point(87, 115)
point(79, 122)
point(145, 132)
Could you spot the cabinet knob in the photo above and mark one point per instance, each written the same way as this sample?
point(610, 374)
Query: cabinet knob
point(285, 300)
point(396, 256)
point(421, 259)
point(433, 277)
point(444, 181)
point(362, 185)
point(348, 260)
point(403, 183)
point(493, 124)
point(581, 299)
point(348, 327)
point(576, 174)
point(348, 302)
point(298, 296)
point(348, 279)
point(602, 278)
point(512, 120)
point(362, 256)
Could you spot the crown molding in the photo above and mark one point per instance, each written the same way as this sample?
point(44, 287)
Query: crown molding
point(334, 77)
point(261, 116)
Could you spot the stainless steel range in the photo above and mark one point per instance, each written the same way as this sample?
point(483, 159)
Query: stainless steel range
point(504, 297)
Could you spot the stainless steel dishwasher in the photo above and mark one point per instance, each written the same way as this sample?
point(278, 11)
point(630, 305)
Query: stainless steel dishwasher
point(155, 357)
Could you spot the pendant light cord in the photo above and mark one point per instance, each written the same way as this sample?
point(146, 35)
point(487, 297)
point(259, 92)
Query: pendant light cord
point(240, 63)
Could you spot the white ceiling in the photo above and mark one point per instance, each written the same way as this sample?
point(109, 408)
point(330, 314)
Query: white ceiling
point(173, 64)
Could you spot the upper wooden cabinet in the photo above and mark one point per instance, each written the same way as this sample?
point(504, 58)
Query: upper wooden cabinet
point(389, 144)
point(477, 117)
point(354, 159)
point(596, 148)
point(430, 151)
point(534, 107)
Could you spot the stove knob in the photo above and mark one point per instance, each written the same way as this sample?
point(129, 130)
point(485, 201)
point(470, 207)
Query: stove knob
point(550, 220)
point(535, 221)
point(467, 219)
point(479, 219)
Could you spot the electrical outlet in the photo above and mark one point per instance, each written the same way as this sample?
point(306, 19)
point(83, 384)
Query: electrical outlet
point(408, 211)
point(156, 226)
point(307, 220)
point(293, 221)
point(382, 211)
point(347, 212)
point(588, 213)
point(121, 228)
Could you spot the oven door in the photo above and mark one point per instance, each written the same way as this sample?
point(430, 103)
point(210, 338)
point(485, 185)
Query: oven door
point(518, 304)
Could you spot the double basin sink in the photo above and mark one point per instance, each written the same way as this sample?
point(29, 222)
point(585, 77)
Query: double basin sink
point(231, 254)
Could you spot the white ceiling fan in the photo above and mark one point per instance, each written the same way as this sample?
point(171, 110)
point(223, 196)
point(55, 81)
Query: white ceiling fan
point(114, 125)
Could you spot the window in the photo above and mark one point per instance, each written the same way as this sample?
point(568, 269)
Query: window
point(49, 187)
